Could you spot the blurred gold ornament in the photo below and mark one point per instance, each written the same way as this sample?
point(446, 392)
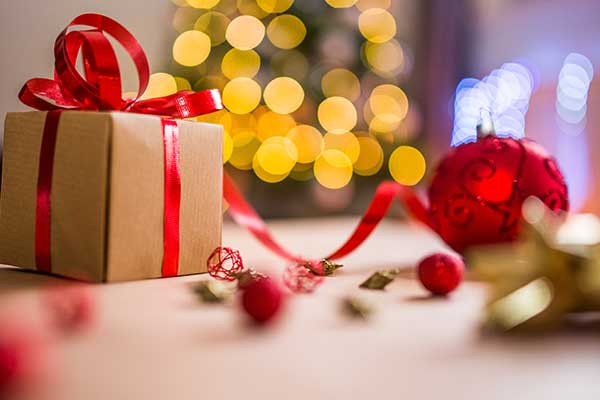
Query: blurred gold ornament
point(552, 271)
point(283, 95)
point(245, 32)
point(286, 31)
point(191, 48)
point(377, 25)
point(407, 165)
point(241, 95)
point(356, 308)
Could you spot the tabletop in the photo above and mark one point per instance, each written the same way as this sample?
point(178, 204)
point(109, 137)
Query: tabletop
point(153, 340)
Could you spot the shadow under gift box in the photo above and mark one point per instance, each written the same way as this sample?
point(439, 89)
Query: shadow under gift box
point(107, 194)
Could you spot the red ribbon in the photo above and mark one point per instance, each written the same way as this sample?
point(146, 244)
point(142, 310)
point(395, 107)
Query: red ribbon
point(243, 213)
point(99, 89)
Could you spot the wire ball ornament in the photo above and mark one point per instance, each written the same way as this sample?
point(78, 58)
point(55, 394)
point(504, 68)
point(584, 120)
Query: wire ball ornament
point(299, 278)
point(224, 263)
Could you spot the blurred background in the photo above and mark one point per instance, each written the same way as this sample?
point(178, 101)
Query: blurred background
point(327, 98)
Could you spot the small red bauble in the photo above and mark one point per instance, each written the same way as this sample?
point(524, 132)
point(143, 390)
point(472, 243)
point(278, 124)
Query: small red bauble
point(440, 273)
point(224, 263)
point(262, 299)
point(478, 189)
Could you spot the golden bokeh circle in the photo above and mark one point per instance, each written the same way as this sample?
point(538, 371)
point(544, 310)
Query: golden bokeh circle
point(241, 95)
point(347, 143)
point(191, 48)
point(308, 141)
point(240, 63)
point(333, 169)
point(377, 25)
point(370, 159)
point(340, 82)
point(245, 32)
point(364, 5)
point(384, 58)
point(275, 6)
point(283, 95)
point(227, 147)
point(265, 176)
point(286, 31)
point(407, 165)
point(160, 84)
point(205, 4)
point(214, 24)
point(341, 3)
point(271, 124)
point(337, 115)
point(245, 145)
point(182, 83)
point(250, 7)
point(277, 155)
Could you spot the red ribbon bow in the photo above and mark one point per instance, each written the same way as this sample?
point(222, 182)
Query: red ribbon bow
point(98, 90)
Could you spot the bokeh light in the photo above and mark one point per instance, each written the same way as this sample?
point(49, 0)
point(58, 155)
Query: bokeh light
point(214, 24)
point(340, 82)
point(377, 25)
point(333, 169)
point(227, 147)
point(364, 5)
point(337, 115)
point(308, 141)
point(275, 6)
point(191, 48)
point(370, 159)
point(241, 95)
point(202, 3)
point(407, 165)
point(385, 59)
point(240, 63)
point(341, 3)
point(277, 155)
point(347, 143)
point(245, 32)
point(160, 84)
point(283, 95)
point(245, 145)
point(290, 63)
point(250, 7)
point(271, 124)
point(286, 31)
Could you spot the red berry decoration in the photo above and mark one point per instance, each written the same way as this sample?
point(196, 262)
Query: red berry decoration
point(300, 278)
point(440, 273)
point(478, 189)
point(224, 263)
point(262, 299)
point(71, 308)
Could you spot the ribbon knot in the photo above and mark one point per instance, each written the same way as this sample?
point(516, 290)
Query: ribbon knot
point(99, 89)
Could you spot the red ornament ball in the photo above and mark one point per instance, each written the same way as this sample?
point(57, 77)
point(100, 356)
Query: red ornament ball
point(224, 263)
point(440, 273)
point(478, 189)
point(262, 300)
point(300, 277)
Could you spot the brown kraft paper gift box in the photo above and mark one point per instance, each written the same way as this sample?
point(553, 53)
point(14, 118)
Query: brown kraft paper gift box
point(107, 194)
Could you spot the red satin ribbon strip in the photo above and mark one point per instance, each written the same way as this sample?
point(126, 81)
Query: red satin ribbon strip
point(44, 190)
point(243, 213)
point(172, 197)
point(100, 89)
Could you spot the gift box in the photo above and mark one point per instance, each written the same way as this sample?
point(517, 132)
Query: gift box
point(102, 188)
point(107, 195)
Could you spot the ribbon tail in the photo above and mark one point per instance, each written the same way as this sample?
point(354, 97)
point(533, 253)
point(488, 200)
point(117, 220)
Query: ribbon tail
point(246, 216)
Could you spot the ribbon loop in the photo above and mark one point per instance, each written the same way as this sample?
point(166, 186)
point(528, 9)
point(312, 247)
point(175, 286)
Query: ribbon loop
point(100, 86)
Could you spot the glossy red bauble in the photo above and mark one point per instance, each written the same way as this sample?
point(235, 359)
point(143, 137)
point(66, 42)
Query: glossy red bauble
point(440, 273)
point(478, 189)
point(262, 299)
